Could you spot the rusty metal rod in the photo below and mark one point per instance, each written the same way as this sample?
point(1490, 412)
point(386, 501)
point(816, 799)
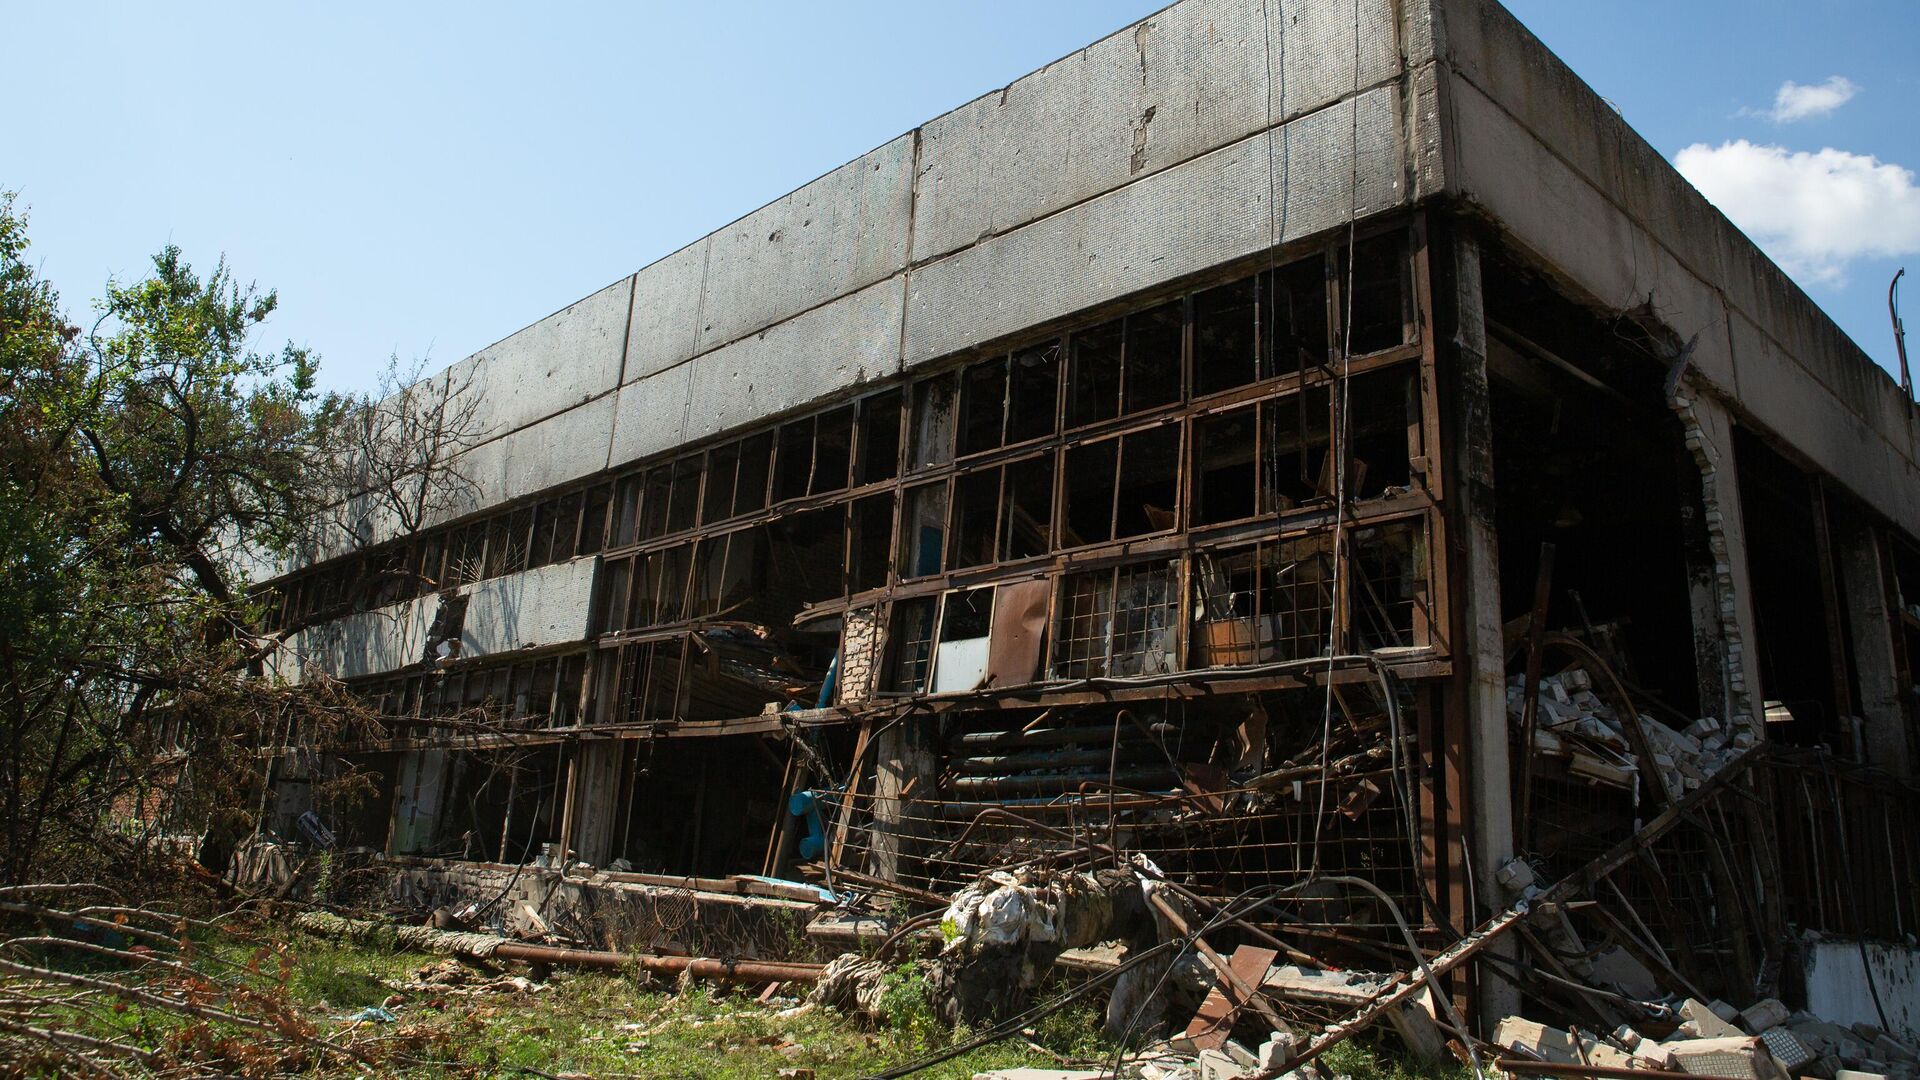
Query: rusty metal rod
point(699, 967)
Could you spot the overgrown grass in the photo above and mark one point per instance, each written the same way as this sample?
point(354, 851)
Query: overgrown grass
point(604, 1024)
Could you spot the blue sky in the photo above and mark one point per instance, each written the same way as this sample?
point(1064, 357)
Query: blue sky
point(424, 180)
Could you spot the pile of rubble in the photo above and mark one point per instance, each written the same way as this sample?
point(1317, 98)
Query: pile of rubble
point(1765, 1041)
point(1575, 725)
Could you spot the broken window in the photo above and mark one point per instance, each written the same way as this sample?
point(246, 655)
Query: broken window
point(923, 530)
point(1118, 621)
point(976, 512)
point(870, 524)
point(793, 461)
point(1148, 482)
point(960, 657)
point(1033, 392)
point(1003, 513)
point(1298, 429)
point(750, 489)
point(1390, 603)
point(912, 645)
point(1271, 601)
point(808, 556)
point(659, 588)
point(640, 682)
point(1088, 515)
point(879, 439)
point(832, 451)
point(683, 510)
point(1226, 337)
point(1093, 381)
point(1226, 474)
point(467, 557)
point(658, 492)
point(627, 519)
point(1026, 519)
point(593, 519)
point(1153, 360)
point(1380, 311)
point(559, 520)
point(1296, 310)
point(931, 434)
point(723, 468)
point(1383, 428)
point(616, 586)
point(983, 406)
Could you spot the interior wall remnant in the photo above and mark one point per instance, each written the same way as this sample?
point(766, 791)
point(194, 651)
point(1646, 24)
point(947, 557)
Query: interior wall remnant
point(1709, 439)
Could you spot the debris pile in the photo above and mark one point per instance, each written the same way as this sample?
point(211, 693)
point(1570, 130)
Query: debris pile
point(1574, 725)
point(1765, 1041)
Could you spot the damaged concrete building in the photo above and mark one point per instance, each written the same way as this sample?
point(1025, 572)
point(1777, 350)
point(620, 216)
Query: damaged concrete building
point(1188, 451)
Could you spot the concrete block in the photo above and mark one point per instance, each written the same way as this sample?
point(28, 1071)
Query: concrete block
point(649, 415)
point(1552, 1044)
point(1763, 1014)
point(566, 447)
point(1218, 1065)
point(1276, 1051)
point(1699, 1020)
point(1736, 1057)
point(1888, 1048)
point(1786, 1048)
point(1179, 84)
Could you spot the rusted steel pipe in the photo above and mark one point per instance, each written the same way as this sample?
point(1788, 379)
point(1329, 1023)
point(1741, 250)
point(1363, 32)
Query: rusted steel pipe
point(487, 946)
point(699, 967)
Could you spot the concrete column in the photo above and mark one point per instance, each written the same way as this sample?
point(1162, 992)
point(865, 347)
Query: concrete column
point(1479, 655)
point(904, 753)
point(1872, 624)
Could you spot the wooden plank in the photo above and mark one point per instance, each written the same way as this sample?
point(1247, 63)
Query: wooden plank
point(1212, 1025)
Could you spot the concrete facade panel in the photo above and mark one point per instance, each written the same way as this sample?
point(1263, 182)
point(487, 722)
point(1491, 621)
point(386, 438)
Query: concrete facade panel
point(838, 234)
point(850, 341)
point(1179, 84)
point(649, 415)
point(1080, 125)
point(565, 359)
point(366, 643)
point(1162, 227)
point(545, 606)
point(562, 448)
point(666, 311)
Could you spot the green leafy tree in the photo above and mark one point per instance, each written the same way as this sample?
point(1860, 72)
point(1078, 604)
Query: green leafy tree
point(149, 466)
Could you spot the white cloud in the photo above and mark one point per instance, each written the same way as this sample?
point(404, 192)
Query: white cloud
point(1813, 212)
point(1796, 102)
